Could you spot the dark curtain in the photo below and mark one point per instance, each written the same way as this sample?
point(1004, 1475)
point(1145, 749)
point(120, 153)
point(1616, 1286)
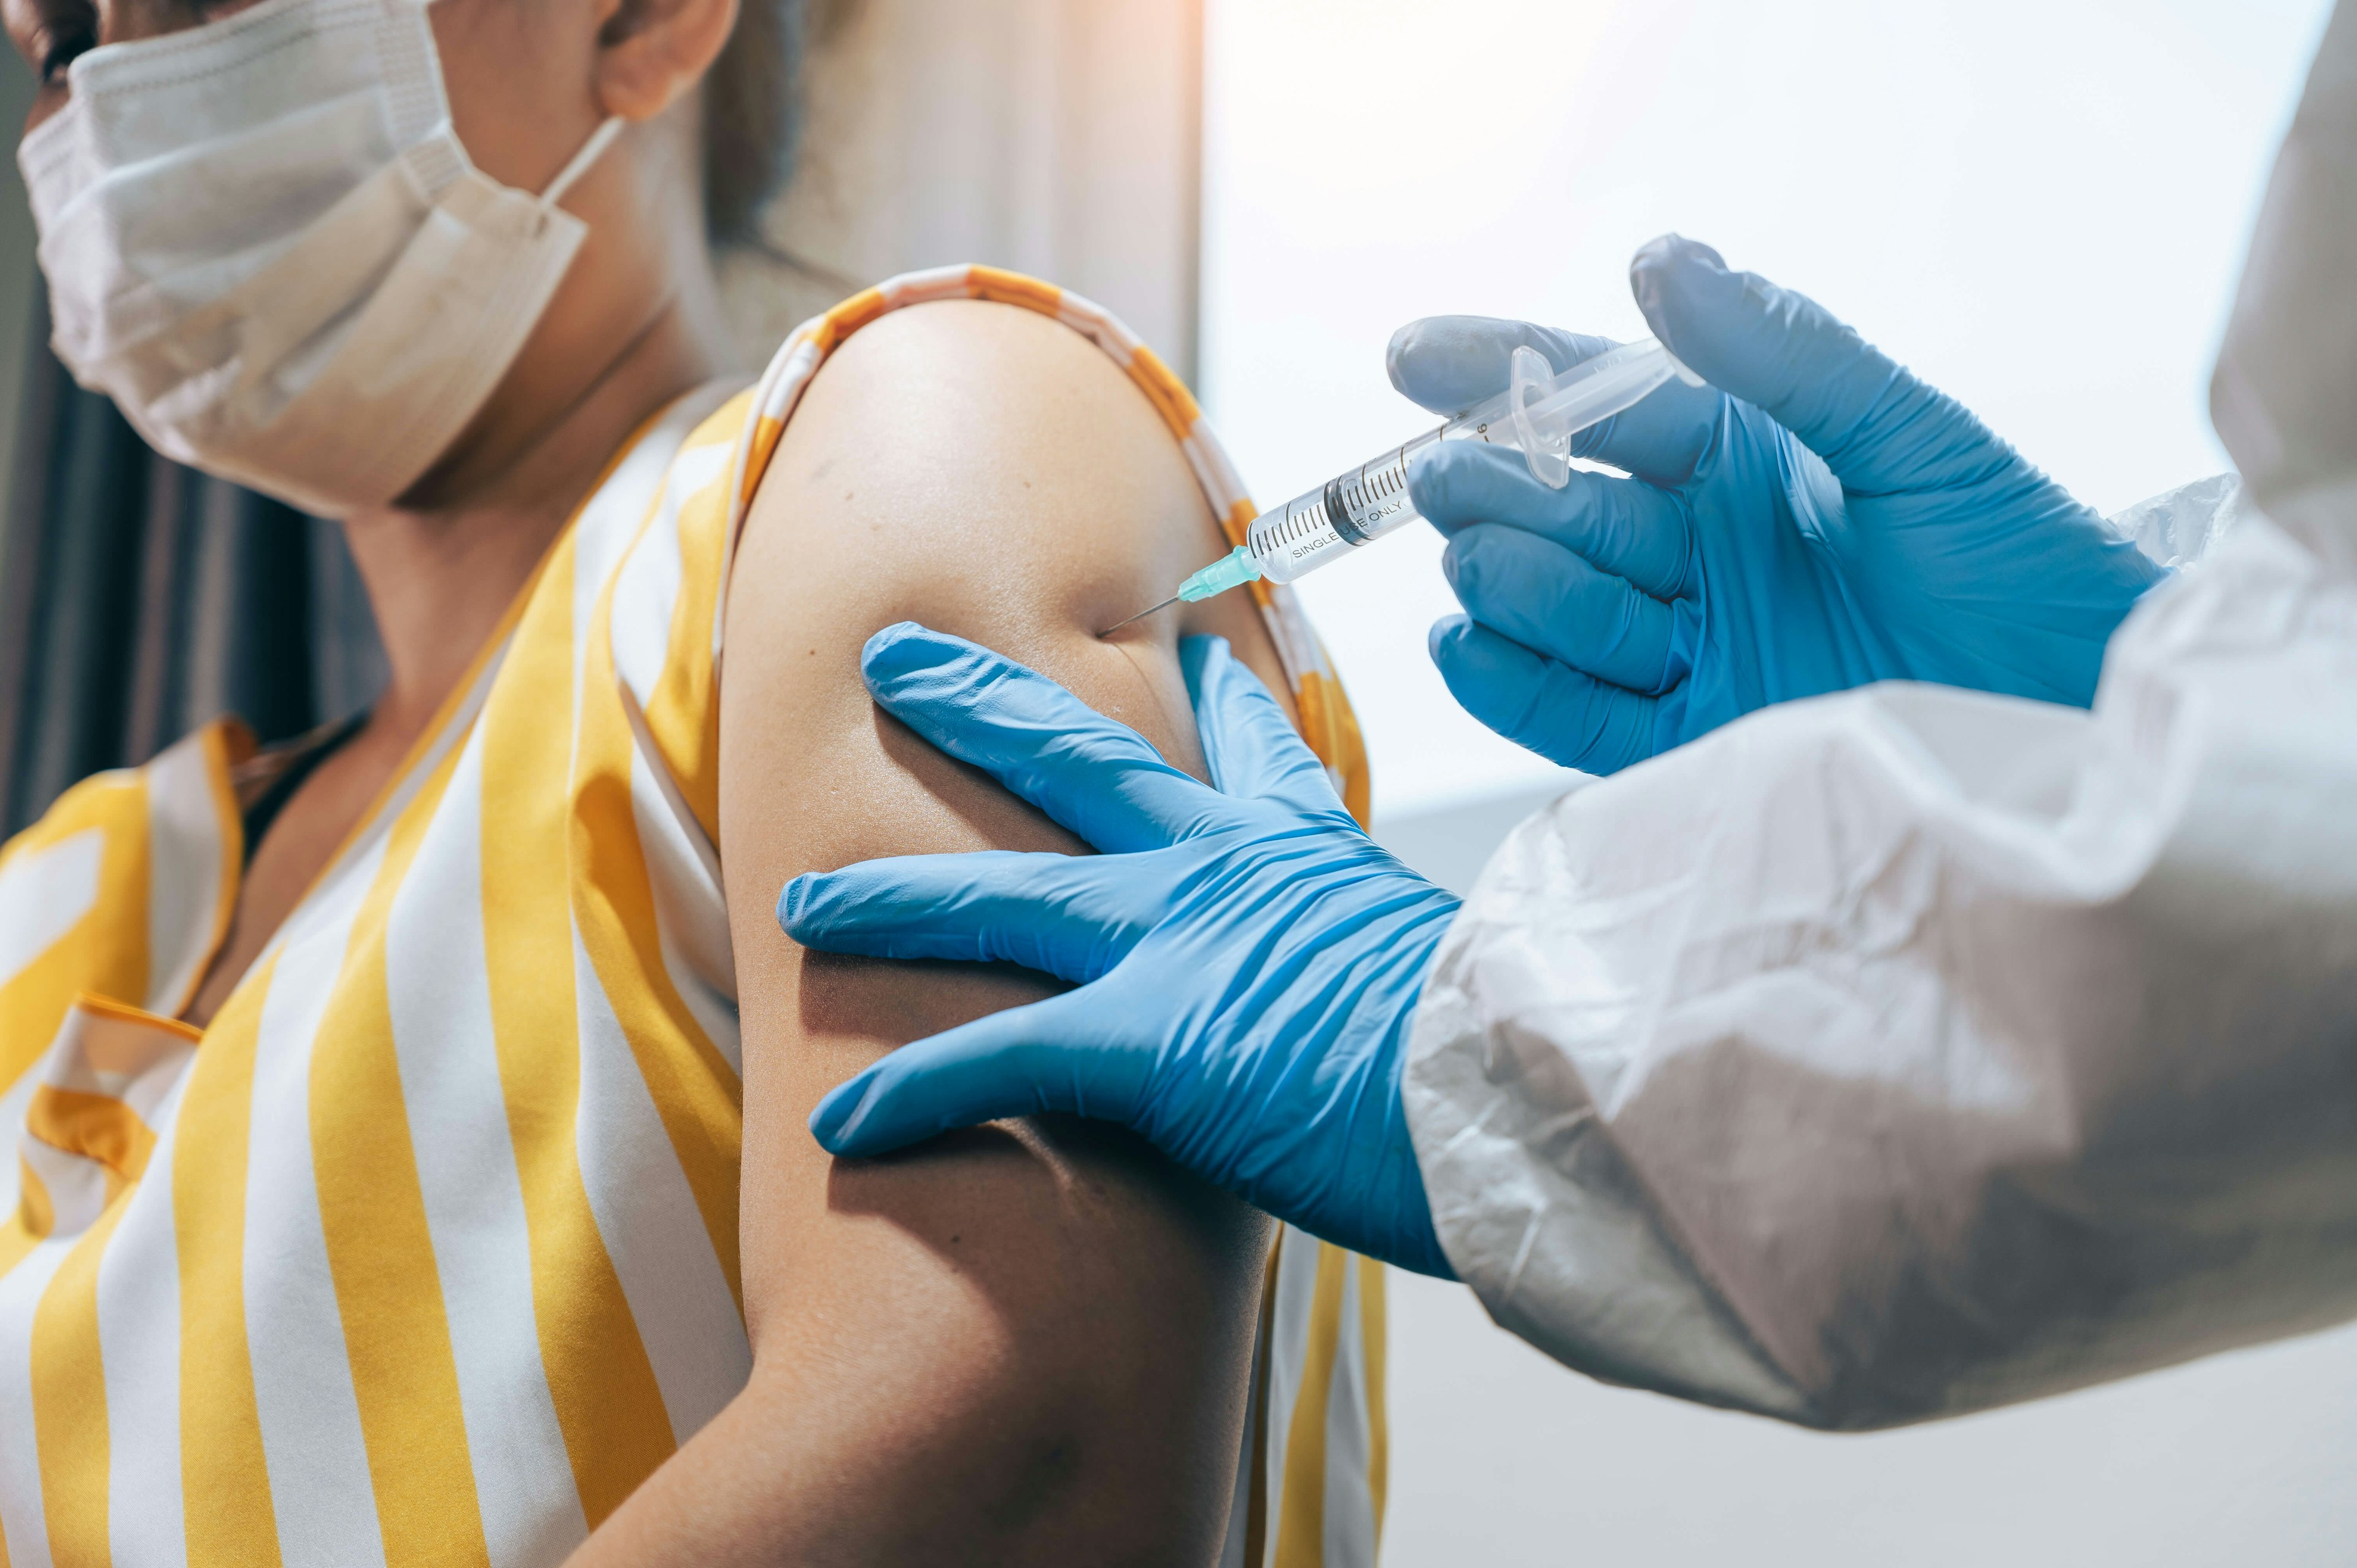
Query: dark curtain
point(139, 598)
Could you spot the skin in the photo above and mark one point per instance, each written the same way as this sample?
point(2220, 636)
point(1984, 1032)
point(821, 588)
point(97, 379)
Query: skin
point(1061, 1372)
point(1024, 1343)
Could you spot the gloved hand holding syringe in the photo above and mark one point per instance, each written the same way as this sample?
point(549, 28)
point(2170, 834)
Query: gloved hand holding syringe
point(1538, 414)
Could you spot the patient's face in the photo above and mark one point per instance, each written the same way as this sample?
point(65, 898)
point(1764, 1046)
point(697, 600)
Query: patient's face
point(528, 83)
point(517, 72)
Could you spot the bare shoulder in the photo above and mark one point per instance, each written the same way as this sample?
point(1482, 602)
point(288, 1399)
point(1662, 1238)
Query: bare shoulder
point(1069, 1319)
point(989, 471)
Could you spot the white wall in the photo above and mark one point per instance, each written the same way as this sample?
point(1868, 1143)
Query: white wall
point(1057, 137)
point(1967, 180)
point(1501, 1459)
point(1499, 1456)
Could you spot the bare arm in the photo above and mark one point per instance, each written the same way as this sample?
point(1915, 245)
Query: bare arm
point(1027, 1342)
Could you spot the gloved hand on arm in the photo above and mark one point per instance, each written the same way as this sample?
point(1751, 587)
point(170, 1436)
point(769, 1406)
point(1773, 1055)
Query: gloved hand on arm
point(1813, 519)
point(1247, 959)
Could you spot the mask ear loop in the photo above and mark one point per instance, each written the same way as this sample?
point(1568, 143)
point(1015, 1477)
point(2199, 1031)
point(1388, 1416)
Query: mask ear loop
point(599, 140)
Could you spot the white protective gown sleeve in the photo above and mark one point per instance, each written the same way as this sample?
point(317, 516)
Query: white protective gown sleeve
point(1910, 1051)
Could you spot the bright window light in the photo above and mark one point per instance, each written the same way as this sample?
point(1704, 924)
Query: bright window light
point(1953, 177)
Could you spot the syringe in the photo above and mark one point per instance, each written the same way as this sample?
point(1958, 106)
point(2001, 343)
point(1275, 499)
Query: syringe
point(1538, 413)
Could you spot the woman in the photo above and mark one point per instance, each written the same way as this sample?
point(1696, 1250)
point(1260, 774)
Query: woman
point(414, 1158)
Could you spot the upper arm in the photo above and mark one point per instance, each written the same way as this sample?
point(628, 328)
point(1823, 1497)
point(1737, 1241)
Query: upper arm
point(1036, 1336)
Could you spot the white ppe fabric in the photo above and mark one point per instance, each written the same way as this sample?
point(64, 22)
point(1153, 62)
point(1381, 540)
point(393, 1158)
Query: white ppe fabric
point(1909, 1051)
point(265, 242)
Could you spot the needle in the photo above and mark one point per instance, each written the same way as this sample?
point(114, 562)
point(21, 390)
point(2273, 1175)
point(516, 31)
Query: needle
point(1232, 570)
point(1140, 615)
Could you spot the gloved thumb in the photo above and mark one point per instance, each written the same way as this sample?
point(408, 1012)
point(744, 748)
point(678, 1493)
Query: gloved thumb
point(1875, 425)
point(1449, 363)
point(1021, 1062)
point(1250, 746)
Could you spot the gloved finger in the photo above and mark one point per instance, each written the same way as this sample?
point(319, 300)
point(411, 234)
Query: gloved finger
point(1625, 527)
point(1048, 1056)
point(1070, 916)
point(1449, 363)
point(1879, 429)
point(1536, 593)
point(1251, 747)
point(1535, 702)
point(1099, 779)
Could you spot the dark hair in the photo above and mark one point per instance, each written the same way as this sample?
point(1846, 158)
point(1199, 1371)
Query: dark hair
point(753, 110)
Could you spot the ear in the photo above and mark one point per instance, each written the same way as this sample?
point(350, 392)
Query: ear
point(650, 53)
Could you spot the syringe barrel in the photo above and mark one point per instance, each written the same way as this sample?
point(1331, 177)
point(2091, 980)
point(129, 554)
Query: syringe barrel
point(1365, 504)
point(1352, 509)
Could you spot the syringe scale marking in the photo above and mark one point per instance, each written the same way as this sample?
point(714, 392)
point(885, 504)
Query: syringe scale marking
point(1538, 414)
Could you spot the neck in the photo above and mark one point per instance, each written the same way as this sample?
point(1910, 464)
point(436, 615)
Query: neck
point(441, 572)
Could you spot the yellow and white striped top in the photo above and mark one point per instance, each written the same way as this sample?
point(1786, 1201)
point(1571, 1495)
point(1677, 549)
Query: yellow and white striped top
point(424, 1250)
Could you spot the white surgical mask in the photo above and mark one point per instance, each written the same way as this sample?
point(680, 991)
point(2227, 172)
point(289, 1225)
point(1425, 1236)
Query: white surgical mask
point(264, 243)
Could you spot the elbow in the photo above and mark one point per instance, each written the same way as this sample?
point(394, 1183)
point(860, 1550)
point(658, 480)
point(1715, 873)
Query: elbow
point(1069, 1489)
point(1017, 1467)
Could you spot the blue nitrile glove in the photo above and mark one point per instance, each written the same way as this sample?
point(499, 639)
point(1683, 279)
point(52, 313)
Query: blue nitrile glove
point(1247, 958)
point(1813, 519)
